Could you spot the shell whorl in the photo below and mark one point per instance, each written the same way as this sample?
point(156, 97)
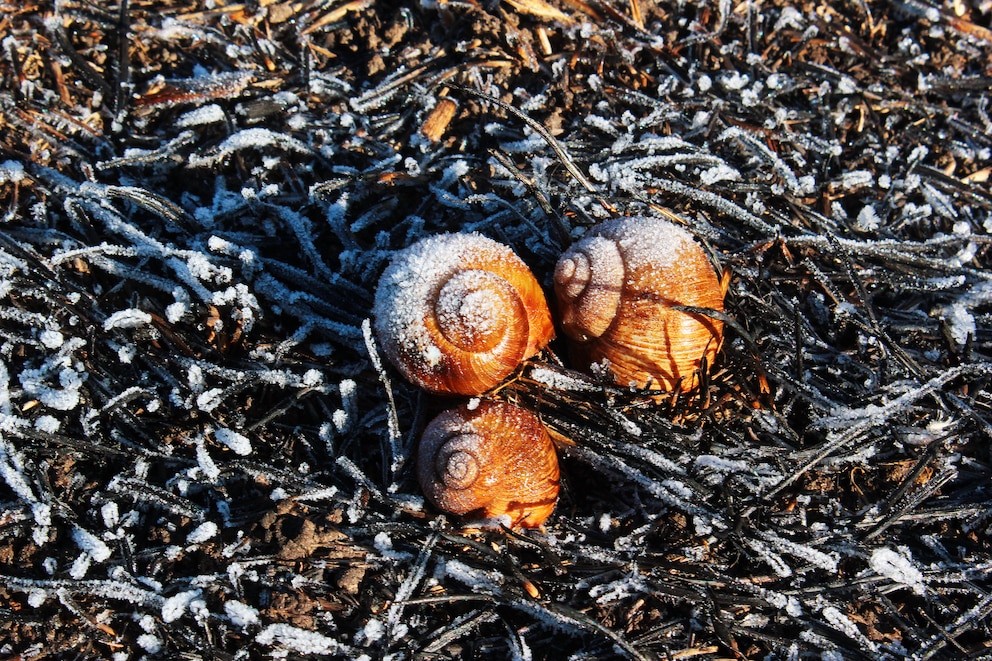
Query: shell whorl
point(474, 309)
point(493, 460)
point(589, 282)
point(457, 313)
point(456, 463)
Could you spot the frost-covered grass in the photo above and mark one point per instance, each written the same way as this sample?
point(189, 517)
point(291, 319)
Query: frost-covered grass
point(202, 453)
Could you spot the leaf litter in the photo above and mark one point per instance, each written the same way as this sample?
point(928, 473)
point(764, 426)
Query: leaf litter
point(203, 455)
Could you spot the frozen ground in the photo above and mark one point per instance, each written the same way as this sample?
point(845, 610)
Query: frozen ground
point(201, 457)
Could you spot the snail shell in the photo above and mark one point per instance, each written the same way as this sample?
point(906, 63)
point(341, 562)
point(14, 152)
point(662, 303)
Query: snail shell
point(616, 288)
point(492, 460)
point(457, 313)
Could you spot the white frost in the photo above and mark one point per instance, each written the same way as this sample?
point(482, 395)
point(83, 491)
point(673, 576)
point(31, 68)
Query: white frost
point(203, 532)
point(150, 643)
point(340, 419)
point(12, 472)
point(372, 632)
point(42, 513)
point(856, 179)
point(897, 567)
point(48, 424)
point(560, 380)
point(65, 398)
point(241, 614)
point(206, 463)
point(298, 640)
point(257, 138)
point(210, 399)
point(111, 514)
point(734, 81)
point(960, 323)
point(209, 114)
point(719, 173)
point(237, 443)
point(91, 544)
point(130, 318)
point(790, 18)
point(52, 339)
point(175, 606)
point(868, 220)
point(11, 171)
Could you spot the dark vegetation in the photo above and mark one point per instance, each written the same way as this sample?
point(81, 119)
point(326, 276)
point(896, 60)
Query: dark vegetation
point(200, 458)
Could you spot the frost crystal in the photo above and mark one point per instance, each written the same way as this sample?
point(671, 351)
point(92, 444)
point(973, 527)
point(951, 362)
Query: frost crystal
point(91, 544)
point(176, 606)
point(898, 568)
point(11, 171)
point(150, 643)
point(719, 173)
point(241, 614)
point(111, 514)
point(203, 532)
point(52, 339)
point(960, 322)
point(237, 443)
point(561, 380)
point(734, 81)
point(208, 114)
point(868, 220)
point(298, 640)
point(256, 138)
point(209, 400)
point(42, 513)
point(206, 463)
point(47, 423)
point(127, 319)
point(372, 632)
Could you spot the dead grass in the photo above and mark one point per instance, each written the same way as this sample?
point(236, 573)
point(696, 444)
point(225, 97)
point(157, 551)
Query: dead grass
point(200, 459)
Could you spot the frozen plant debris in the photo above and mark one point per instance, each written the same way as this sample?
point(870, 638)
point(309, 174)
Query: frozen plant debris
point(237, 443)
point(132, 318)
point(897, 567)
point(205, 452)
point(91, 545)
point(298, 640)
point(241, 614)
point(256, 138)
point(202, 533)
point(175, 606)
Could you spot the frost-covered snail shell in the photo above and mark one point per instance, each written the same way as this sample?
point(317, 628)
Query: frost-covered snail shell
point(617, 288)
point(493, 460)
point(457, 313)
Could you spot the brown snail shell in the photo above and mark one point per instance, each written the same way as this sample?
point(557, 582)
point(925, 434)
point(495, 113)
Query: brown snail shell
point(493, 460)
point(457, 313)
point(617, 290)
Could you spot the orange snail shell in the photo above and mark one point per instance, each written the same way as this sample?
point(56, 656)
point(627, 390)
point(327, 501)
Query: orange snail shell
point(457, 313)
point(616, 288)
point(493, 460)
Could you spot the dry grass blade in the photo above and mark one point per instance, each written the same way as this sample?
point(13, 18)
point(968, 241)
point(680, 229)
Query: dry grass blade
point(541, 9)
point(559, 150)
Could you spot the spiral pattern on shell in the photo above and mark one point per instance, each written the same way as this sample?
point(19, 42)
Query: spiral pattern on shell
point(493, 460)
point(456, 463)
point(457, 313)
point(618, 289)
